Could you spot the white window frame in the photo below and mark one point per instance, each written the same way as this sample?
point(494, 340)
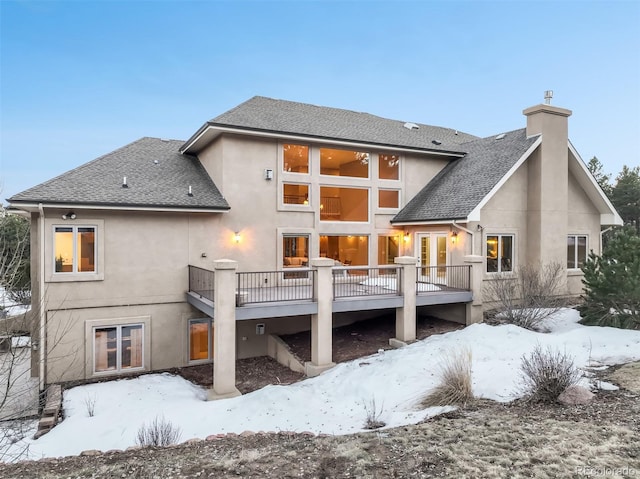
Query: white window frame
point(281, 168)
point(400, 163)
point(75, 262)
point(209, 335)
point(282, 206)
point(119, 369)
point(345, 187)
point(49, 252)
point(499, 258)
point(390, 208)
point(575, 253)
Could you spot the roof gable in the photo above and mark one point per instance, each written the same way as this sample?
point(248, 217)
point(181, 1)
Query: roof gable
point(260, 114)
point(464, 183)
point(158, 176)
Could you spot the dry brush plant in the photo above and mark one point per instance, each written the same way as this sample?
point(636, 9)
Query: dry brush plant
point(546, 373)
point(455, 386)
point(373, 414)
point(159, 432)
point(530, 296)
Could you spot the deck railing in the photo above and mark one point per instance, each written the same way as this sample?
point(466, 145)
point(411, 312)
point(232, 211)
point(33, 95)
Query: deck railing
point(296, 284)
point(353, 281)
point(443, 278)
point(201, 282)
point(292, 284)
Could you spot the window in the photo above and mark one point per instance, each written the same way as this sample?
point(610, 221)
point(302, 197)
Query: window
point(354, 164)
point(348, 250)
point(344, 204)
point(388, 198)
point(499, 253)
point(576, 251)
point(295, 254)
point(295, 158)
point(388, 167)
point(388, 249)
point(118, 348)
point(75, 249)
point(200, 340)
point(295, 194)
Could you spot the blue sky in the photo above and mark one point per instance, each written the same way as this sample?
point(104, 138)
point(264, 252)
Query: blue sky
point(80, 79)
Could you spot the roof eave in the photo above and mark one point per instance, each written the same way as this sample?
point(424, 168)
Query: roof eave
point(210, 130)
point(33, 206)
point(608, 215)
point(436, 221)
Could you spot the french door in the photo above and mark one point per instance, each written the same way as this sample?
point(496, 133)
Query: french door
point(432, 257)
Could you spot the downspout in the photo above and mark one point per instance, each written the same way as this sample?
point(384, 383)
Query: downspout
point(42, 346)
point(469, 232)
point(601, 238)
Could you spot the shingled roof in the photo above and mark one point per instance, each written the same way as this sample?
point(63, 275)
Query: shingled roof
point(288, 117)
point(158, 176)
point(459, 187)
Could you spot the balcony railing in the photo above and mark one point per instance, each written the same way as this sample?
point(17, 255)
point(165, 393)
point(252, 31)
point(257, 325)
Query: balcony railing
point(296, 284)
point(201, 282)
point(443, 278)
point(292, 284)
point(351, 281)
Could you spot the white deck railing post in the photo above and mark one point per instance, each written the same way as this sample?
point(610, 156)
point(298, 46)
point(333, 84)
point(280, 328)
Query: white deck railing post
point(406, 315)
point(474, 308)
point(224, 333)
point(322, 323)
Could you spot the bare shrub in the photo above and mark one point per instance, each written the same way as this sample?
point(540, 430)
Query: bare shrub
point(529, 297)
point(90, 404)
point(159, 432)
point(546, 373)
point(455, 387)
point(373, 415)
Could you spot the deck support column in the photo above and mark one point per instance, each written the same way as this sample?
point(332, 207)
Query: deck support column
point(224, 337)
point(322, 323)
point(474, 308)
point(406, 316)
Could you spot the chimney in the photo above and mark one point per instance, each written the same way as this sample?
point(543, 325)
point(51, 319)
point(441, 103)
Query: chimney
point(548, 184)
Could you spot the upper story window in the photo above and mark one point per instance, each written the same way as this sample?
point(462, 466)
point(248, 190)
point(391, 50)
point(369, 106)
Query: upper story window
point(388, 198)
point(344, 204)
point(354, 164)
point(295, 158)
point(388, 166)
point(294, 194)
point(576, 251)
point(75, 249)
point(499, 253)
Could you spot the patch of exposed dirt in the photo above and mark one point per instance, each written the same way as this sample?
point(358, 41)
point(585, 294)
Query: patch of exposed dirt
point(365, 337)
point(251, 374)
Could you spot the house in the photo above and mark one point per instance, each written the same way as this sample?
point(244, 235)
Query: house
point(338, 209)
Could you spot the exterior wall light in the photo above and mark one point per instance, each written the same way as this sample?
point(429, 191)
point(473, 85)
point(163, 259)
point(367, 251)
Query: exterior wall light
point(237, 237)
point(454, 237)
point(406, 237)
point(69, 216)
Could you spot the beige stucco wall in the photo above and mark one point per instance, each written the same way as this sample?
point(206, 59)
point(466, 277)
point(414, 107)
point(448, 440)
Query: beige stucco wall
point(516, 209)
point(142, 265)
point(237, 165)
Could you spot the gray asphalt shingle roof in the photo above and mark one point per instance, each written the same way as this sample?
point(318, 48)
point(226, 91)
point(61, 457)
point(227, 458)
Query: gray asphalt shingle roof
point(268, 114)
point(157, 176)
point(459, 187)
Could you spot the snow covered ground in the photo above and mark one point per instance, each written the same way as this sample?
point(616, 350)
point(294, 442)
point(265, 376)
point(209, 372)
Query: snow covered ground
point(333, 403)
